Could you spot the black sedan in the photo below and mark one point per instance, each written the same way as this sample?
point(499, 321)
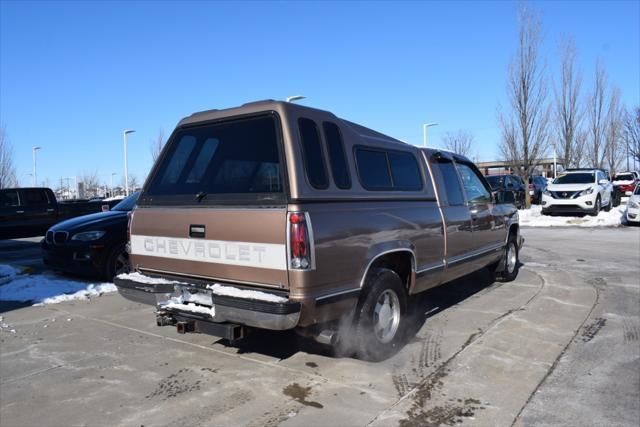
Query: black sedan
point(91, 245)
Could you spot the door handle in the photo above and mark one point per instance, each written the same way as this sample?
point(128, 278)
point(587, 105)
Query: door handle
point(50, 210)
point(20, 212)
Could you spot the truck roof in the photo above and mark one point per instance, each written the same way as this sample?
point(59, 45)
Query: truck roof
point(284, 109)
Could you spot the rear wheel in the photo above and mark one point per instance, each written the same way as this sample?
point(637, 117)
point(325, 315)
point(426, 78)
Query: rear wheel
point(380, 316)
point(117, 262)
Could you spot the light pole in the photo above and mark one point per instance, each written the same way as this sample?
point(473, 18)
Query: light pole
point(35, 174)
point(295, 98)
point(424, 133)
point(126, 168)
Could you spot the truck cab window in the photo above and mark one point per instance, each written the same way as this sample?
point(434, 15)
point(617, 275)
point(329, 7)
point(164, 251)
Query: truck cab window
point(473, 185)
point(451, 182)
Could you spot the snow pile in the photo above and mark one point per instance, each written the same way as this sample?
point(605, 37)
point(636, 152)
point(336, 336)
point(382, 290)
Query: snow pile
point(7, 273)
point(47, 289)
point(230, 291)
point(533, 218)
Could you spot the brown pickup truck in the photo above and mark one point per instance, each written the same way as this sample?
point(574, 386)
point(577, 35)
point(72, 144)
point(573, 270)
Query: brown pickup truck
point(278, 216)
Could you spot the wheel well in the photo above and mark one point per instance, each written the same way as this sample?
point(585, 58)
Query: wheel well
point(400, 261)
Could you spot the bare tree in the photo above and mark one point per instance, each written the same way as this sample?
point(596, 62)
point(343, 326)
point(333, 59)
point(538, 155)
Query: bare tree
point(632, 135)
point(459, 142)
point(614, 127)
point(580, 148)
point(525, 130)
point(8, 176)
point(91, 183)
point(597, 118)
point(568, 115)
point(157, 144)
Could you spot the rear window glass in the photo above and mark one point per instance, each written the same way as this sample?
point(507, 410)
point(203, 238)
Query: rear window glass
point(237, 157)
point(373, 169)
point(9, 199)
point(312, 153)
point(337, 156)
point(624, 177)
point(404, 171)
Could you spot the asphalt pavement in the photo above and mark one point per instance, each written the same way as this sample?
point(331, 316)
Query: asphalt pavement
point(558, 346)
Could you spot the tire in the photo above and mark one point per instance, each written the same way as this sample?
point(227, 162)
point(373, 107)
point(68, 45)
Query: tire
point(608, 207)
point(510, 261)
point(596, 208)
point(380, 316)
point(117, 262)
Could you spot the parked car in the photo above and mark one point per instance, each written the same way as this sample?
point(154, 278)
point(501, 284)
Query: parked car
point(625, 183)
point(502, 184)
point(578, 191)
point(28, 212)
point(537, 185)
point(91, 245)
point(279, 216)
point(632, 213)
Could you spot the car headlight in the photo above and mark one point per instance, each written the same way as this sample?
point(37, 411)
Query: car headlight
point(546, 192)
point(634, 205)
point(88, 236)
point(586, 192)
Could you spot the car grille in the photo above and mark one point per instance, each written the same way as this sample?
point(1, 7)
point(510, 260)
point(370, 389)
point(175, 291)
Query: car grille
point(564, 194)
point(60, 237)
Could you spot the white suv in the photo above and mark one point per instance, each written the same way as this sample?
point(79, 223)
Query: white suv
point(578, 191)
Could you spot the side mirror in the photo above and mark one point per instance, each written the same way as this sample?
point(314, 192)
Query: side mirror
point(603, 182)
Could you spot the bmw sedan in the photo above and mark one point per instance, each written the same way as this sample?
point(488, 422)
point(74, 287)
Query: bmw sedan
point(91, 245)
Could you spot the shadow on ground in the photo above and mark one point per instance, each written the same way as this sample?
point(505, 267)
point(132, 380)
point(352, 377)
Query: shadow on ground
point(283, 345)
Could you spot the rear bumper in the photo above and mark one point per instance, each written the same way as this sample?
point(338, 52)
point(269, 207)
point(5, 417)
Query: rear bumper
point(224, 309)
point(632, 214)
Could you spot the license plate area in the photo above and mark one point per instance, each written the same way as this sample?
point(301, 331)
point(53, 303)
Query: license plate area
point(194, 295)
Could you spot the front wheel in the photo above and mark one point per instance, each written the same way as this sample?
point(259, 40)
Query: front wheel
point(509, 265)
point(597, 207)
point(117, 262)
point(380, 316)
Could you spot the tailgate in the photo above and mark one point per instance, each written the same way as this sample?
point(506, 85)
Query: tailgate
point(240, 245)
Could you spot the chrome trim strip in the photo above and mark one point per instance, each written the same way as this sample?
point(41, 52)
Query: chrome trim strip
point(334, 294)
point(241, 282)
point(434, 267)
point(476, 254)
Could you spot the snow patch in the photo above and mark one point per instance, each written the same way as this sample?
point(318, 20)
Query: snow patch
point(230, 291)
point(141, 278)
point(47, 289)
point(533, 218)
point(194, 308)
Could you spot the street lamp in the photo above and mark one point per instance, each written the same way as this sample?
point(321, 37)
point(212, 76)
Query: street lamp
point(295, 98)
point(126, 168)
point(424, 132)
point(35, 175)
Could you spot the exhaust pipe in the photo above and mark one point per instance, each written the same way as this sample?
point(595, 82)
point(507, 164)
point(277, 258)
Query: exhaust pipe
point(164, 320)
point(184, 327)
point(326, 337)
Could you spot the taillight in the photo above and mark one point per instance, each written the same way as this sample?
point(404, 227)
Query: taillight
point(300, 256)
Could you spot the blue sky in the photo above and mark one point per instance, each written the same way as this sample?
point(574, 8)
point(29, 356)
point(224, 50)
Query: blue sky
point(73, 75)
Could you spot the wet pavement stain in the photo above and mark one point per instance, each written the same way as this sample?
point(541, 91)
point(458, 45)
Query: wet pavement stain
point(592, 329)
point(300, 394)
point(311, 364)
